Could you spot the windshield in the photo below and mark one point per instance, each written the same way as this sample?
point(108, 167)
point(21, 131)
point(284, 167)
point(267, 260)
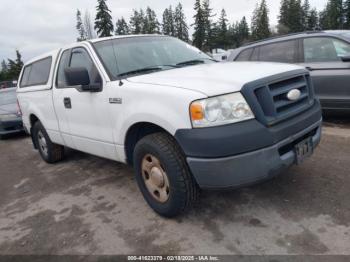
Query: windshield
point(8, 97)
point(135, 54)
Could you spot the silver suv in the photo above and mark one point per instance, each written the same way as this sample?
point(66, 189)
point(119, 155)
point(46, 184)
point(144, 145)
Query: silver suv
point(326, 54)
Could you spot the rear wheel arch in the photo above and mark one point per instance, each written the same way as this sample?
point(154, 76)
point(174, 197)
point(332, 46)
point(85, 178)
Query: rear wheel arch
point(32, 120)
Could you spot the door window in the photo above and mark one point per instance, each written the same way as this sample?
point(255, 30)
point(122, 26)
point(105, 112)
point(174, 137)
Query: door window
point(77, 58)
point(284, 52)
point(324, 49)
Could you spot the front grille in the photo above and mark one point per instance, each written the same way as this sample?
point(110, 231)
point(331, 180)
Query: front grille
point(270, 102)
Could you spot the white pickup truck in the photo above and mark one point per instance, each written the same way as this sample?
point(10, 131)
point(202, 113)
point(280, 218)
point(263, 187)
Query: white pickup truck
point(182, 120)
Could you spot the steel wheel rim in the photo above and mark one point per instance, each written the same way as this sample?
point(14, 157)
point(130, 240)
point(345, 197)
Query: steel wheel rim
point(42, 143)
point(155, 178)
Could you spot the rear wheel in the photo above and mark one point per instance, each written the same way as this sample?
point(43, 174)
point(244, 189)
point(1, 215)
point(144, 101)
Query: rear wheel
point(49, 151)
point(163, 176)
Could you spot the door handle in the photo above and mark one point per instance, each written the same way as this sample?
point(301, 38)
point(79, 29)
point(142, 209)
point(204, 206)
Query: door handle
point(309, 68)
point(67, 103)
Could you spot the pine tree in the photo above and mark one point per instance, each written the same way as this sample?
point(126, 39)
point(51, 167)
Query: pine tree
point(80, 27)
point(347, 14)
point(181, 27)
point(121, 27)
point(151, 24)
point(168, 25)
point(208, 25)
point(14, 67)
point(222, 34)
point(199, 27)
point(3, 71)
point(4, 67)
point(332, 16)
point(242, 32)
point(136, 22)
point(292, 17)
point(313, 21)
point(306, 15)
point(260, 22)
point(103, 20)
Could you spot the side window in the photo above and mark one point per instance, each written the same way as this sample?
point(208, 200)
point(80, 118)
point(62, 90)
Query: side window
point(37, 73)
point(284, 52)
point(324, 49)
point(77, 58)
point(245, 55)
point(80, 58)
point(25, 76)
point(61, 79)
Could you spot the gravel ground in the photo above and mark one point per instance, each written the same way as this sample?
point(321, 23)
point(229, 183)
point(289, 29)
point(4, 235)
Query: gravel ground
point(89, 205)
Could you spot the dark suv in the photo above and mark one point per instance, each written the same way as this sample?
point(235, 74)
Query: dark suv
point(325, 54)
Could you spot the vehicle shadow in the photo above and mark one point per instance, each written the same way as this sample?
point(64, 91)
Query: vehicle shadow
point(336, 118)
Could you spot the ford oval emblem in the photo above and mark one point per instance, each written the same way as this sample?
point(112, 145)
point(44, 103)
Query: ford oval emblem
point(294, 94)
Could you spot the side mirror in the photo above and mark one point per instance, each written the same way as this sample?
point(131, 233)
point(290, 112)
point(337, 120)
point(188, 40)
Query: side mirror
point(345, 58)
point(79, 78)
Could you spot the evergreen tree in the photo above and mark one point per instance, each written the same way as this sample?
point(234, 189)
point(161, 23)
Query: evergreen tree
point(347, 14)
point(14, 67)
point(103, 20)
point(136, 22)
point(233, 35)
point(242, 32)
point(3, 71)
point(260, 22)
point(80, 27)
point(4, 67)
point(313, 23)
point(222, 31)
point(168, 25)
point(151, 24)
point(306, 15)
point(181, 28)
point(332, 16)
point(292, 16)
point(208, 25)
point(121, 27)
point(199, 27)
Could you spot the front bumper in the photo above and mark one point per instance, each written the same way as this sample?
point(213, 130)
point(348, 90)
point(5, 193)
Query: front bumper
point(11, 127)
point(250, 168)
point(248, 152)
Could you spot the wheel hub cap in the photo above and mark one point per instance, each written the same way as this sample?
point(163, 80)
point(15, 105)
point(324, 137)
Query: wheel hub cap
point(155, 178)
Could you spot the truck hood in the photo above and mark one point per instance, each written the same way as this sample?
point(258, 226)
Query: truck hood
point(215, 79)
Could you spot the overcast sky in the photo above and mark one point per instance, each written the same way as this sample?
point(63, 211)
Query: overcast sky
point(38, 26)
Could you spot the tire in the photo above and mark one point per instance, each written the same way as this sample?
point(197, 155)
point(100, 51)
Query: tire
point(182, 189)
point(50, 153)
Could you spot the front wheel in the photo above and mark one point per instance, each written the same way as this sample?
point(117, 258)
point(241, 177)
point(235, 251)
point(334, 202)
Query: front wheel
point(49, 151)
point(163, 176)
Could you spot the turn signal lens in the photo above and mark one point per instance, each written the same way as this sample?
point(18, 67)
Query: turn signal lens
point(196, 111)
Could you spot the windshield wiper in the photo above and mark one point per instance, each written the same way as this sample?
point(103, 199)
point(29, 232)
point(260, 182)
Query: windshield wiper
point(195, 62)
point(142, 70)
point(191, 62)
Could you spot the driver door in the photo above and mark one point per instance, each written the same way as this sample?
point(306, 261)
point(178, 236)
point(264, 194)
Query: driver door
point(84, 116)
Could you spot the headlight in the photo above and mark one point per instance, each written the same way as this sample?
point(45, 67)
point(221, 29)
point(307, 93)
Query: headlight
point(220, 110)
